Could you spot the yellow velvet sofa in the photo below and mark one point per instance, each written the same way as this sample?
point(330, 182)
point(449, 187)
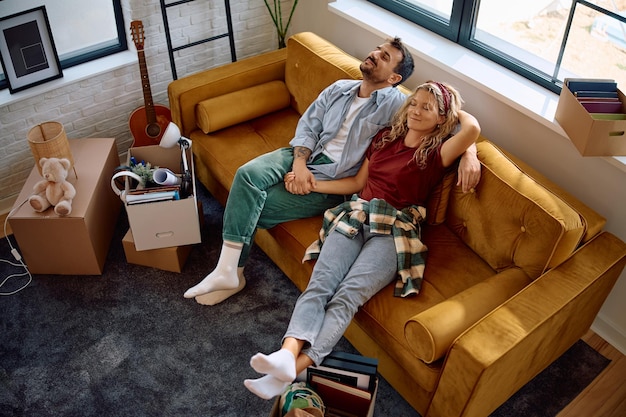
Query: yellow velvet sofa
point(516, 271)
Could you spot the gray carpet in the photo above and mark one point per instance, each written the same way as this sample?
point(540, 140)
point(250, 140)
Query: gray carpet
point(128, 344)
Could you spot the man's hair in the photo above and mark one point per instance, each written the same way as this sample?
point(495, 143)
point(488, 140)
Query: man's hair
point(406, 66)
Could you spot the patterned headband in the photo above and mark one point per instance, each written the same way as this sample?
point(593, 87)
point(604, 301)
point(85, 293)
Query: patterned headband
point(445, 93)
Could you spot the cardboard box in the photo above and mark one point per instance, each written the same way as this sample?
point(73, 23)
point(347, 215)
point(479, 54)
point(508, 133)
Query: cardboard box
point(168, 259)
point(275, 411)
point(164, 224)
point(592, 137)
point(79, 243)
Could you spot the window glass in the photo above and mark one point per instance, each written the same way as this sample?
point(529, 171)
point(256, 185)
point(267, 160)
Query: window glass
point(596, 47)
point(435, 15)
point(530, 32)
point(441, 8)
point(81, 30)
point(543, 40)
point(533, 32)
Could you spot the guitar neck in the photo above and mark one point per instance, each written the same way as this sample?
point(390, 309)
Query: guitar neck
point(145, 85)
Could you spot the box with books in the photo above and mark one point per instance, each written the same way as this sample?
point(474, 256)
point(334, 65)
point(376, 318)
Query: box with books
point(347, 368)
point(346, 382)
point(593, 114)
point(340, 400)
point(166, 217)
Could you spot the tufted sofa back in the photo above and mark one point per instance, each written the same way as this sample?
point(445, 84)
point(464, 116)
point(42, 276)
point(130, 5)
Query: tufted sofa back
point(511, 220)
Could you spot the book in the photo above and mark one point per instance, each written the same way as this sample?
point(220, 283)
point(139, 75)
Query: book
point(361, 368)
point(318, 380)
point(608, 80)
point(351, 357)
point(157, 189)
point(608, 116)
point(598, 99)
point(342, 399)
point(587, 84)
point(348, 368)
point(603, 94)
point(607, 107)
point(151, 197)
point(345, 377)
point(351, 370)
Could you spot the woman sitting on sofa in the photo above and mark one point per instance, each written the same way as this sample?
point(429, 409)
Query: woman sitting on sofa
point(362, 238)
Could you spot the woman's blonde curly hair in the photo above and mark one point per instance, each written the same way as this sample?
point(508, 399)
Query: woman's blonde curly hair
point(449, 103)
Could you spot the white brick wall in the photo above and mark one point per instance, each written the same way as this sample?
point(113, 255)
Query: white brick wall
point(99, 106)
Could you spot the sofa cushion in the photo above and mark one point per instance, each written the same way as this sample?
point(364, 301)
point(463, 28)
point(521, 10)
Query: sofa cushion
point(312, 65)
point(246, 104)
point(437, 204)
point(593, 221)
point(243, 142)
point(186, 93)
point(526, 224)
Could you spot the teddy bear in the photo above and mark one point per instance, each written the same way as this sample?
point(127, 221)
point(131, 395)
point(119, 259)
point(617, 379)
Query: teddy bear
point(53, 190)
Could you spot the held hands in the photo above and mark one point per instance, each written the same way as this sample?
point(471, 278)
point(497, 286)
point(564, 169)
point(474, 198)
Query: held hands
point(300, 182)
point(289, 180)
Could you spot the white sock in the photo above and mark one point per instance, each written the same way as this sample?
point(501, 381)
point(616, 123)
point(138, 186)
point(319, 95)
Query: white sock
point(266, 387)
point(216, 297)
point(280, 364)
point(224, 276)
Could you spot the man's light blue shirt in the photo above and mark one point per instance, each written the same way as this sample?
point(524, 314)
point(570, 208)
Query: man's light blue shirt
point(321, 122)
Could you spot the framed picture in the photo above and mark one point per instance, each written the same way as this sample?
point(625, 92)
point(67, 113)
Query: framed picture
point(27, 49)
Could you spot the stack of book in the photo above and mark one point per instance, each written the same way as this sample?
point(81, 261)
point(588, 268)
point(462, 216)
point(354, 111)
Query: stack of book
point(598, 96)
point(152, 194)
point(346, 383)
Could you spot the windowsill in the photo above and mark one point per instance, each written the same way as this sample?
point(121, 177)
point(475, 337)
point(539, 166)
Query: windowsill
point(504, 85)
point(72, 75)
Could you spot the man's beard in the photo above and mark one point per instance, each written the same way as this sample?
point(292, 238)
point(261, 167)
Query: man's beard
point(366, 70)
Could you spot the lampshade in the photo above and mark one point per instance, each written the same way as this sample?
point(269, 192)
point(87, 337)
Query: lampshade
point(171, 136)
point(48, 140)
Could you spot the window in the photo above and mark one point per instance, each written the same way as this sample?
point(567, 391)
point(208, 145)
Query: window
point(546, 41)
point(82, 30)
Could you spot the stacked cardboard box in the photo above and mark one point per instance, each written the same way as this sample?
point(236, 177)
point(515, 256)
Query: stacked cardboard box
point(76, 244)
point(161, 232)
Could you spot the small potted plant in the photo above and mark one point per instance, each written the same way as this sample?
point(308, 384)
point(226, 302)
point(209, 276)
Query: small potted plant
point(277, 17)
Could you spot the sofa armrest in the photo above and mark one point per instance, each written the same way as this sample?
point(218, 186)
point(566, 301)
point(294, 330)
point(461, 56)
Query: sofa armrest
point(431, 332)
point(186, 92)
point(515, 342)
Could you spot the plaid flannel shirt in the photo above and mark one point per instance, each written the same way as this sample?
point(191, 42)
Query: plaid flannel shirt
point(347, 218)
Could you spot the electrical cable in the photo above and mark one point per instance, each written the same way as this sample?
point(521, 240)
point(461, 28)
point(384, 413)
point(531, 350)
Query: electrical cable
point(17, 257)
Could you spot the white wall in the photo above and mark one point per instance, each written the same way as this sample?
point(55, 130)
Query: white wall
point(595, 181)
point(99, 103)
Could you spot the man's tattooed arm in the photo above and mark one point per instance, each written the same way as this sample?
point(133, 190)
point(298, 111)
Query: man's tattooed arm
point(300, 152)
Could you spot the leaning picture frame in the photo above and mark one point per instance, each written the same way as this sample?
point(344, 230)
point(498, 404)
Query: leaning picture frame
point(27, 49)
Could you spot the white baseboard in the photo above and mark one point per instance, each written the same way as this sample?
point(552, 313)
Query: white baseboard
point(609, 332)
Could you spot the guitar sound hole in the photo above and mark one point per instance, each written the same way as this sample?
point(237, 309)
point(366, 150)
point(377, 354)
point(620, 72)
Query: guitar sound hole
point(153, 130)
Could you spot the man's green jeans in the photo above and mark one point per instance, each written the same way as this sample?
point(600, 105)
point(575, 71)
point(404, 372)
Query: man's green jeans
point(258, 199)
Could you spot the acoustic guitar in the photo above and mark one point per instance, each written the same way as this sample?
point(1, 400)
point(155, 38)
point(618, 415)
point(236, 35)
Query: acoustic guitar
point(147, 123)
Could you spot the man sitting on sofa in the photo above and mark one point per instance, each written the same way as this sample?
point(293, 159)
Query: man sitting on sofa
point(331, 138)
